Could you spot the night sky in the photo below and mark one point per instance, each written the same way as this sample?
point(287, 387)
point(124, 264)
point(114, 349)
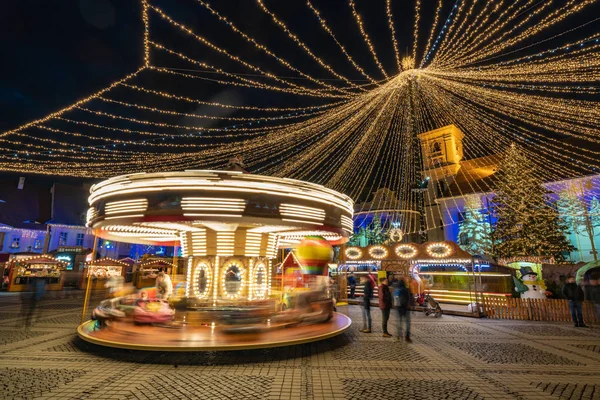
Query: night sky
point(56, 52)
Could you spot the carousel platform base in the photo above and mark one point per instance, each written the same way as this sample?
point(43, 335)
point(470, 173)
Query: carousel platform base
point(127, 335)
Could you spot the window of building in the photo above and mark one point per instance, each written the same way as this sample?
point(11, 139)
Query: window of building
point(62, 238)
point(80, 237)
point(37, 244)
point(436, 149)
point(16, 242)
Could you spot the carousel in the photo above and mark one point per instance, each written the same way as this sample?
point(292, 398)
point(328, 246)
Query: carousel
point(229, 226)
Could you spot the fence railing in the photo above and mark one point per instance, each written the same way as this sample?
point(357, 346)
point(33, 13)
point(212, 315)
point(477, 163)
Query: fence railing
point(535, 309)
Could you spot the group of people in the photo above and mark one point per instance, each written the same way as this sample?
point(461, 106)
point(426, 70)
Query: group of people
point(395, 296)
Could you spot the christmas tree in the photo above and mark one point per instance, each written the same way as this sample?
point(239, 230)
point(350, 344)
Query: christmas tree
point(375, 233)
point(357, 237)
point(527, 224)
point(474, 231)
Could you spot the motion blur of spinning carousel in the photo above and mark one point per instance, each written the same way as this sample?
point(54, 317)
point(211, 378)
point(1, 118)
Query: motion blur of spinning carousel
point(229, 225)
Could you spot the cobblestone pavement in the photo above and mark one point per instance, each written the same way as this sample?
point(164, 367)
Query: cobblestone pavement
point(450, 358)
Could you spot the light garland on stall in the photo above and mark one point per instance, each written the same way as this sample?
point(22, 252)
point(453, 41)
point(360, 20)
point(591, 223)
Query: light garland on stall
point(378, 252)
point(353, 253)
point(405, 251)
point(439, 250)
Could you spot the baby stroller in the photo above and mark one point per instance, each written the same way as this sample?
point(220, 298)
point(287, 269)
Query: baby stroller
point(429, 305)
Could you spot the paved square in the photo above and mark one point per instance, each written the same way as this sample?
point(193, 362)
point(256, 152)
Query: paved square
point(450, 358)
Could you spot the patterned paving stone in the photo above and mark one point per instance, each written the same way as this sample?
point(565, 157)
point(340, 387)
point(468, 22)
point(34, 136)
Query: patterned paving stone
point(434, 367)
point(569, 391)
point(60, 306)
point(377, 352)
point(591, 347)
point(27, 383)
point(12, 336)
point(66, 320)
point(511, 353)
point(72, 346)
point(548, 330)
point(9, 315)
point(359, 389)
point(194, 386)
point(446, 329)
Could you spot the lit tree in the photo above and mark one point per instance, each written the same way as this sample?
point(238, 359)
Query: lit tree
point(355, 239)
point(375, 233)
point(475, 231)
point(580, 216)
point(527, 224)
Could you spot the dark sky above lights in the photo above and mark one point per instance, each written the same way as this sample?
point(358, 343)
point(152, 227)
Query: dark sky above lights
point(55, 52)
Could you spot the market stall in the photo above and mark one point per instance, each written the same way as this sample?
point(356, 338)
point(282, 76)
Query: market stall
point(441, 269)
point(25, 269)
point(101, 271)
point(148, 271)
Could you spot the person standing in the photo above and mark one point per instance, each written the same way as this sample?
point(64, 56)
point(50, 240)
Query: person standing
point(164, 286)
point(352, 285)
point(402, 298)
point(574, 294)
point(385, 304)
point(367, 296)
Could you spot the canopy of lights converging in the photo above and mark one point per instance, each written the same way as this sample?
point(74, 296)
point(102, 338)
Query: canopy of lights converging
point(324, 96)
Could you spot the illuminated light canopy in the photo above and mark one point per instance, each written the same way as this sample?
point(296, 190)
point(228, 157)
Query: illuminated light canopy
point(378, 252)
point(513, 73)
point(353, 253)
point(405, 251)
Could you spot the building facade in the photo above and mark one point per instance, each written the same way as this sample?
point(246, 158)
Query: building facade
point(457, 198)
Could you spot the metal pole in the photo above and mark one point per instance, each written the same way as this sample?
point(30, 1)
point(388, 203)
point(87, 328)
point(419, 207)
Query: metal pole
point(471, 292)
point(89, 280)
point(480, 309)
point(282, 274)
point(175, 262)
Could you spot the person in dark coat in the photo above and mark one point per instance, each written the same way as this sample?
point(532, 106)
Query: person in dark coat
point(402, 298)
point(575, 295)
point(352, 285)
point(368, 295)
point(385, 304)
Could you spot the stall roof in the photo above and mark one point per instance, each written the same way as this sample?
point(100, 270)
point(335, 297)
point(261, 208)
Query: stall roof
point(156, 263)
point(39, 259)
point(128, 260)
point(107, 262)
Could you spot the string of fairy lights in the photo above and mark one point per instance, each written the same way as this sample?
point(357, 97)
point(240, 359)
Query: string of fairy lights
point(344, 113)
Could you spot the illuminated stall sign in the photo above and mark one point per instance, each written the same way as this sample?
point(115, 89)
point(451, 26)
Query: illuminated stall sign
point(68, 259)
point(70, 249)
